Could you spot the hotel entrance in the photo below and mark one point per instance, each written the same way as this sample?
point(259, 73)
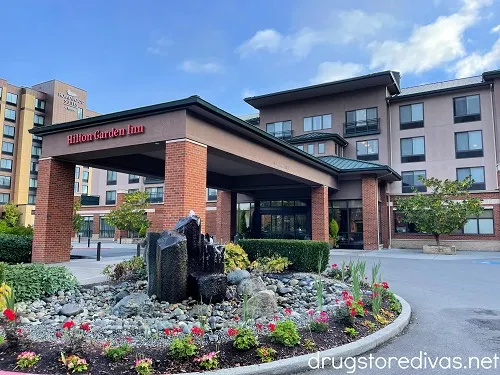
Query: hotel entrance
point(349, 216)
point(286, 219)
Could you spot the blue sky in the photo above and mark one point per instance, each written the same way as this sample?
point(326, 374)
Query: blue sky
point(131, 53)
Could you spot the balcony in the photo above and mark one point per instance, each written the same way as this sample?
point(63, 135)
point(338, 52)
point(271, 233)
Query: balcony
point(149, 180)
point(285, 134)
point(89, 200)
point(155, 197)
point(365, 127)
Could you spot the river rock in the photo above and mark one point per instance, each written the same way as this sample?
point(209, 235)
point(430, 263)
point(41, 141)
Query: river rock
point(70, 309)
point(263, 303)
point(251, 285)
point(133, 304)
point(237, 276)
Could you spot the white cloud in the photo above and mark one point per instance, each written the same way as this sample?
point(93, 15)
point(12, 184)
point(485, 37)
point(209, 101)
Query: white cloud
point(160, 46)
point(192, 66)
point(333, 71)
point(477, 63)
point(246, 93)
point(495, 29)
point(268, 39)
point(431, 45)
point(356, 25)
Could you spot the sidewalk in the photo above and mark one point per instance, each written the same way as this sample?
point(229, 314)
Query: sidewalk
point(416, 254)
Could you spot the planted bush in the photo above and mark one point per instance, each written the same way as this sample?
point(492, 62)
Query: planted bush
point(33, 281)
point(305, 255)
point(133, 269)
point(286, 333)
point(14, 248)
point(235, 257)
point(275, 264)
point(245, 339)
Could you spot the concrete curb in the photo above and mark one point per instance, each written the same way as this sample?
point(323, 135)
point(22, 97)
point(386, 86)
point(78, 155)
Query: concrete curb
point(301, 363)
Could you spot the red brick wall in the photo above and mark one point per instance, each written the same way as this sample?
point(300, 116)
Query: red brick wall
point(223, 216)
point(211, 219)
point(370, 207)
point(96, 225)
point(54, 211)
point(156, 218)
point(384, 213)
point(319, 213)
point(185, 182)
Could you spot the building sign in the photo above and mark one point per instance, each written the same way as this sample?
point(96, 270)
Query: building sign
point(106, 134)
point(70, 100)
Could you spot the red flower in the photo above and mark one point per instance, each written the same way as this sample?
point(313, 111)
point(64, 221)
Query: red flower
point(69, 324)
point(236, 318)
point(371, 295)
point(336, 300)
point(232, 332)
point(360, 303)
point(177, 330)
point(129, 339)
point(310, 312)
point(334, 265)
point(259, 326)
point(9, 314)
point(108, 343)
point(197, 331)
point(353, 312)
point(348, 303)
point(276, 317)
point(19, 332)
point(345, 293)
point(385, 285)
point(376, 285)
point(58, 334)
point(288, 311)
point(167, 331)
point(85, 327)
point(365, 311)
point(271, 327)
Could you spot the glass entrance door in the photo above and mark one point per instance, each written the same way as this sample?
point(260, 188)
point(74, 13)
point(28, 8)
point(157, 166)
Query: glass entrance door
point(87, 226)
point(349, 216)
point(284, 219)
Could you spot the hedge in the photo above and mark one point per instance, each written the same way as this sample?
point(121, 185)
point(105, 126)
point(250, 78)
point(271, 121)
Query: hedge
point(15, 249)
point(305, 255)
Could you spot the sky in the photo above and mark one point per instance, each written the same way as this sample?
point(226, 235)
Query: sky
point(128, 54)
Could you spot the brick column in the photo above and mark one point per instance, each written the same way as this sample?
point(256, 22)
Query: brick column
point(185, 181)
point(96, 226)
point(370, 216)
point(319, 213)
point(120, 198)
point(54, 211)
point(226, 216)
point(385, 214)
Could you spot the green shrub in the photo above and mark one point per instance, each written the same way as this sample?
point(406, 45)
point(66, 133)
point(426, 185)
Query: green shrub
point(133, 269)
point(274, 264)
point(2, 272)
point(235, 257)
point(394, 304)
point(33, 281)
point(245, 339)
point(183, 348)
point(305, 255)
point(15, 249)
point(286, 333)
point(118, 352)
point(16, 229)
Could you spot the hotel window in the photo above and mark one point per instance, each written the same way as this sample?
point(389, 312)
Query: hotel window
point(5, 181)
point(39, 119)
point(321, 148)
point(80, 113)
point(155, 194)
point(280, 129)
point(85, 189)
point(476, 174)
point(310, 149)
point(4, 198)
point(367, 150)
point(301, 147)
point(411, 116)
point(111, 178)
point(31, 199)
point(85, 177)
point(10, 114)
point(7, 148)
point(153, 180)
point(39, 104)
point(77, 187)
point(36, 151)
point(132, 190)
point(36, 138)
point(469, 144)
point(11, 98)
point(33, 183)
point(361, 121)
point(133, 179)
point(466, 108)
point(211, 194)
point(412, 149)
point(34, 167)
point(77, 172)
point(111, 197)
point(6, 165)
point(482, 224)
point(8, 131)
point(0, 92)
point(318, 122)
point(411, 180)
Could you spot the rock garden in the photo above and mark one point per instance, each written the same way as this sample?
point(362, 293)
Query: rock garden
point(189, 305)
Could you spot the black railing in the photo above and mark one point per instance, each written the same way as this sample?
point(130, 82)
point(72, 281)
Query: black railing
point(89, 200)
point(155, 197)
point(283, 134)
point(149, 180)
point(370, 126)
point(106, 233)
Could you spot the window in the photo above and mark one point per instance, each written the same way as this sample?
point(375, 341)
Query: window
point(321, 148)
point(367, 150)
point(318, 122)
point(34, 167)
point(111, 178)
point(77, 172)
point(301, 147)
point(6, 165)
point(33, 183)
point(477, 175)
point(5, 181)
point(80, 113)
point(469, 144)
point(412, 149)
point(152, 180)
point(11, 98)
point(7, 148)
point(411, 116)
point(466, 108)
point(85, 177)
point(482, 224)
point(105, 230)
point(4, 198)
point(280, 129)
point(0, 92)
point(310, 149)
point(36, 151)
point(411, 180)
point(401, 226)
point(132, 190)
point(36, 138)
point(10, 114)
point(155, 194)
point(39, 119)
point(39, 104)
point(361, 121)
point(8, 131)
point(133, 179)
point(111, 197)
point(77, 187)
point(211, 194)
point(31, 199)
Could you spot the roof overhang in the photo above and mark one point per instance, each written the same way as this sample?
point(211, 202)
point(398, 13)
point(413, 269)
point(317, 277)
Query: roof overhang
point(458, 89)
point(386, 78)
point(323, 137)
point(492, 74)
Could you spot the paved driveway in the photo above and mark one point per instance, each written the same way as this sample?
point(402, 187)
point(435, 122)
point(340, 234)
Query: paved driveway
point(455, 302)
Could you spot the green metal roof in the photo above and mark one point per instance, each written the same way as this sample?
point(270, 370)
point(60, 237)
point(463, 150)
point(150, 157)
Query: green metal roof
point(317, 136)
point(353, 165)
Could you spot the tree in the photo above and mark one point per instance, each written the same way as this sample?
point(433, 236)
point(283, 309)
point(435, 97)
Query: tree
point(442, 211)
point(12, 214)
point(131, 215)
point(243, 224)
point(77, 218)
point(334, 231)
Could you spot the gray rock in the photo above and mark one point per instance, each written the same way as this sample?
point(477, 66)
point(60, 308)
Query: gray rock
point(70, 309)
point(121, 295)
point(283, 291)
point(177, 312)
point(251, 286)
point(207, 287)
point(24, 320)
point(236, 276)
point(263, 302)
point(302, 283)
point(293, 282)
point(99, 288)
point(133, 304)
point(274, 288)
point(182, 317)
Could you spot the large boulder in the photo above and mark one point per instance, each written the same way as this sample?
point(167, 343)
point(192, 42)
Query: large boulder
point(133, 304)
point(190, 226)
point(263, 303)
point(70, 309)
point(207, 287)
point(150, 260)
point(251, 286)
point(237, 276)
point(213, 258)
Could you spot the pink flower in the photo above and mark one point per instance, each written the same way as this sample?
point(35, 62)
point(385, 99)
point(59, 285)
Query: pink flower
point(271, 327)
point(69, 324)
point(288, 311)
point(334, 265)
point(276, 317)
point(58, 334)
point(232, 332)
point(259, 326)
point(236, 318)
point(129, 339)
point(310, 312)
